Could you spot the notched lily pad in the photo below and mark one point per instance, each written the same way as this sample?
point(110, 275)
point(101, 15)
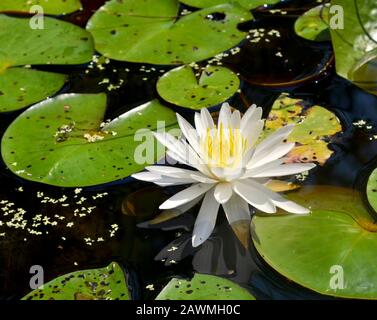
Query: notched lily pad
point(49, 6)
point(64, 142)
point(331, 251)
point(181, 86)
point(314, 128)
point(203, 287)
point(107, 283)
point(314, 24)
point(249, 4)
point(150, 31)
point(58, 43)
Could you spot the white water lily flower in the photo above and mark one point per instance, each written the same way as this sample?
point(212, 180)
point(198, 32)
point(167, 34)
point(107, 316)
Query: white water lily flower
point(231, 169)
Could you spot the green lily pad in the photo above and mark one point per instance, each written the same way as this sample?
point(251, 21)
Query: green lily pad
point(107, 283)
point(314, 128)
point(64, 142)
point(20, 87)
point(314, 24)
point(372, 189)
point(150, 32)
point(355, 45)
point(181, 86)
point(249, 4)
point(331, 251)
point(58, 43)
point(49, 6)
point(203, 287)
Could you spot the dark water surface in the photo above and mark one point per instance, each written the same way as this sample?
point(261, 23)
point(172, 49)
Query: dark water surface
point(305, 70)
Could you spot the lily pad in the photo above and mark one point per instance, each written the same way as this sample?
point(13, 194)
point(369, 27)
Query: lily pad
point(314, 128)
point(150, 31)
point(372, 189)
point(203, 287)
point(249, 4)
point(21, 87)
point(58, 43)
point(49, 6)
point(64, 142)
point(331, 251)
point(314, 24)
point(181, 86)
point(107, 283)
point(355, 45)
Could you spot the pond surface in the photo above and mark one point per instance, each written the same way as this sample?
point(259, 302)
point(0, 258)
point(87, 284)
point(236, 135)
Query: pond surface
point(90, 227)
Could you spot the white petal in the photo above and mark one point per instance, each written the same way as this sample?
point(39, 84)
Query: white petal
point(235, 119)
point(236, 209)
point(202, 178)
point(146, 176)
point(223, 192)
point(252, 133)
point(172, 172)
point(190, 133)
point(199, 126)
point(224, 116)
point(274, 138)
point(280, 201)
point(207, 120)
point(186, 195)
point(260, 169)
point(254, 196)
point(206, 220)
point(173, 144)
point(285, 170)
point(250, 119)
point(187, 206)
point(269, 155)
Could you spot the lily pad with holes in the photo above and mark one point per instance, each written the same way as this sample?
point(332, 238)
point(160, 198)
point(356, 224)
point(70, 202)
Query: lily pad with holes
point(49, 6)
point(355, 45)
point(314, 24)
point(58, 43)
point(314, 128)
point(183, 87)
point(331, 251)
point(372, 189)
point(64, 142)
point(107, 283)
point(150, 31)
point(203, 287)
point(249, 4)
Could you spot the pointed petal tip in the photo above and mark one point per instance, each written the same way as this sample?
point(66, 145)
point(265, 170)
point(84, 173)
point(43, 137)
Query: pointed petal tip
point(197, 241)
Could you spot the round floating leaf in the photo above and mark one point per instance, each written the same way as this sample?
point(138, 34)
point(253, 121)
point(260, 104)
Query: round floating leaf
point(182, 87)
point(314, 127)
point(150, 31)
point(107, 283)
point(58, 43)
point(314, 24)
point(372, 189)
point(249, 4)
point(331, 251)
point(203, 287)
point(355, 41)
point(64, 142)
point(20, 87)
point(49, 6)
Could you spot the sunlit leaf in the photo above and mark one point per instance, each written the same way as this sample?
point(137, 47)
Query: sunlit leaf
point(203, 287)
point(331, 251)
point(107, 283)
point(183, 87)
point(49, 6)
point(151, 32)
point(249, 4)
point(64, 142)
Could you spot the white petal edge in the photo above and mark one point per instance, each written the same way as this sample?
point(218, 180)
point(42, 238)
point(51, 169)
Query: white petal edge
point(223, 192)
point(206, 220)
point(186, 195)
